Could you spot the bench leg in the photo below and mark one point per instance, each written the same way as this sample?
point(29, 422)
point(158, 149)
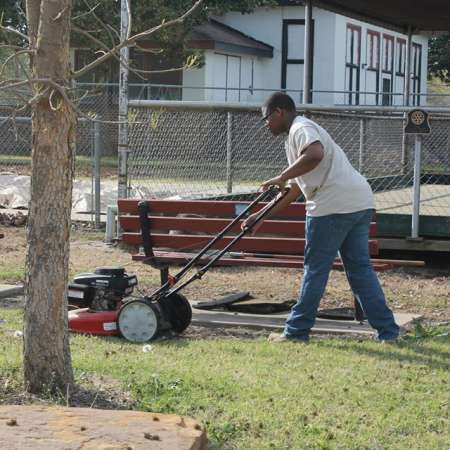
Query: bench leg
point(164, 275)
point(359, 313)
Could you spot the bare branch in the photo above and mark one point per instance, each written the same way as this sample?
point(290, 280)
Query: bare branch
point(102, 44)
point(6, 84)
point(136, 37)
point(60, 14)
point(153, 51)
point(13, 56)
point(127, 66)
point(86, 13)
point(51, 87)
point(14, 31)
point(104, 25)
point(11, 47)
point(113, 30)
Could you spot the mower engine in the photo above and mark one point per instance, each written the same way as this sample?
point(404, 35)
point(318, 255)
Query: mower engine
point(102, 290)
point(98, 305)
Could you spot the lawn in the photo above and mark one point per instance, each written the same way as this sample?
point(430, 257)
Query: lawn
point(251, 394)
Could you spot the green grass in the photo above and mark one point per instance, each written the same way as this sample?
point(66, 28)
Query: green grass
point(250, 394)
point(435, 86)
point(81, 161)
point(11, 274)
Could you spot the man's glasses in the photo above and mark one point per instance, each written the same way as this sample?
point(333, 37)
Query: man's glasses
point(267, 116)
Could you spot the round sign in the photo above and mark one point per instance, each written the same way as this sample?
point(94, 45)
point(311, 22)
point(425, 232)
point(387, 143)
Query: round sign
point(418, 117)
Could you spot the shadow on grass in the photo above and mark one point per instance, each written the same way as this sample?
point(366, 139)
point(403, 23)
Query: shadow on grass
point(423, 356)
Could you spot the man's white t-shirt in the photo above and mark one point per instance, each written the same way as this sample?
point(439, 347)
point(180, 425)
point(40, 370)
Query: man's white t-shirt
point(334, 186)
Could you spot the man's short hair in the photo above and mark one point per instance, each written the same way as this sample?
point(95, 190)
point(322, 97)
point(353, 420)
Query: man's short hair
point(279, 100)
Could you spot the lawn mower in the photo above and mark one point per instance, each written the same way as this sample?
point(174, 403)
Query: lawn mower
point(100, 303)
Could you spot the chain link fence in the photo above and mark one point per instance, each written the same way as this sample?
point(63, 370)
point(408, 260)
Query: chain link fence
point(184, 151)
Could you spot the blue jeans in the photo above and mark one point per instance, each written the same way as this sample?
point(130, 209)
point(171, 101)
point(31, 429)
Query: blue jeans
point(347, 234)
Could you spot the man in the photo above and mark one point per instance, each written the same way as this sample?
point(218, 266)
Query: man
point(339, 209)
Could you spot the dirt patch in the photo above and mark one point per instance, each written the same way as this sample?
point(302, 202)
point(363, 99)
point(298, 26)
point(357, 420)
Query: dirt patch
point(91, 391)
point(423, 291)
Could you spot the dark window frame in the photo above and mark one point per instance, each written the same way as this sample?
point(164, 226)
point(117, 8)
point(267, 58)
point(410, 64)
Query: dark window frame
point(401, 67)
point(371, 68)
point(416, 50)
point(374, 34)
point(386, 99)
point(285, 48)
point(353, 65)
point(388, 38)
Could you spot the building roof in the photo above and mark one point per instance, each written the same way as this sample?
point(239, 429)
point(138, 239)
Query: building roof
point(214, 35)
point(425, 15)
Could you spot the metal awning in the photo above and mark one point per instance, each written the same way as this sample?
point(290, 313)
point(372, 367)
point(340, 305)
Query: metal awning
point(214, 35)
point(426, 15)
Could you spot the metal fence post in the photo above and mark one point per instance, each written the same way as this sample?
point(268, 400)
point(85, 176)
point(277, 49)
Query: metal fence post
point(123, 104)
point(229, 152)
point(97, 171)
point(361, 144)
point(404, 162)
point(416, 186)
point(447, 156)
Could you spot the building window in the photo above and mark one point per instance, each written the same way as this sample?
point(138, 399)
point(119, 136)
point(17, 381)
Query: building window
point(387, 72)
point(416, 72)
point(352, 63)
point(373, 50)
point(401, 56)
point(388, 53)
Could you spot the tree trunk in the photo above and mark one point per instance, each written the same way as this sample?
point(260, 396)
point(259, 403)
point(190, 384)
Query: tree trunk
point(47, 360)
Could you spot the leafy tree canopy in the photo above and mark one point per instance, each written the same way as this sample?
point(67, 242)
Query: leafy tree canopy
point(102, 19)
point(145, 14)
point(439, 58)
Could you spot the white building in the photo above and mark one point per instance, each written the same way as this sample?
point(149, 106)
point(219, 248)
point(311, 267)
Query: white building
point(248, 56)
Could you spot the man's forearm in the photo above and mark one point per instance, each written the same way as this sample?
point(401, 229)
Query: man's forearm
point(303, 165)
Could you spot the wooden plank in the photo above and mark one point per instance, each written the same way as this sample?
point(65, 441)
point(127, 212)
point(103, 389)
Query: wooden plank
point(399, 226)
point(294, 228)
point(212, 225)
point(205, 207)
point(417, 245)
point(183, 258)
point(290, 246)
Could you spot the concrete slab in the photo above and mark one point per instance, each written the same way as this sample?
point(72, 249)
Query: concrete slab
point(267, 321)
point(43, 427)
point(76, 216)
point(10, 290)
point(434, 200)
point(276, 322)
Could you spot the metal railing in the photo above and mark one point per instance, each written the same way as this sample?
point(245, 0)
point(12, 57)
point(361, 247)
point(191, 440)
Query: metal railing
point(175, 92)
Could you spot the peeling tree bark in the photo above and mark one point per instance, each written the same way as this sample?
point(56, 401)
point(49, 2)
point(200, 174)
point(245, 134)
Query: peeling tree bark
point(47, 360)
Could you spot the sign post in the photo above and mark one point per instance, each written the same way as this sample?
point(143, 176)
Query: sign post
point(417, 124)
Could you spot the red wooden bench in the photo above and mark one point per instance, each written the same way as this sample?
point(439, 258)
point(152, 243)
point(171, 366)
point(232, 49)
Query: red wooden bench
point(175, 237)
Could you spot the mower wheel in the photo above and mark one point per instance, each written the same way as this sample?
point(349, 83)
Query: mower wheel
point(139, 321)
point(179, 311)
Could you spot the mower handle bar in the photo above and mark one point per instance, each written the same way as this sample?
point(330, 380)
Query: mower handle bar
point(247, 229)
